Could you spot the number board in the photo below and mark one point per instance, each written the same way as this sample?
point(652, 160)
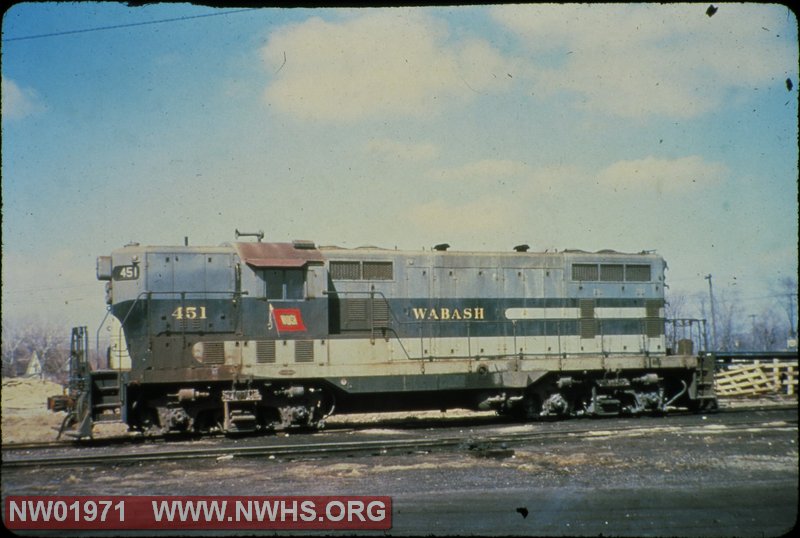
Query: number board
point(126, 272)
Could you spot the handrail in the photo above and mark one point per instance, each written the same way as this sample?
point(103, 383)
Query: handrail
point(469, 323)
point(372, 294)
point(149, 294)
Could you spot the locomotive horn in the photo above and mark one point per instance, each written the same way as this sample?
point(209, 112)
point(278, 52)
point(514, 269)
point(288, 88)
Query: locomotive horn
point(258, 235)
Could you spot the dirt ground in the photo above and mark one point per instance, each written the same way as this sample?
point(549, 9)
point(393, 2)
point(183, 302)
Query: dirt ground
point(734, 474)
point(24, 411)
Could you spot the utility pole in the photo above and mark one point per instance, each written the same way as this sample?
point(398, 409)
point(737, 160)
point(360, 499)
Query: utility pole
point(792, 341)
point(713, 320)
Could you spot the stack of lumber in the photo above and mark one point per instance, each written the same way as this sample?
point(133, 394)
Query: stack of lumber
point(757, 378)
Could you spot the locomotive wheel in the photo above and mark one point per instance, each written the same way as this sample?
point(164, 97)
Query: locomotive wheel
point(530, 408)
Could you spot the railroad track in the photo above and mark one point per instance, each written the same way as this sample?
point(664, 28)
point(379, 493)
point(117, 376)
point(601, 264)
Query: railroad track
point(343, 427)
point(476, 443)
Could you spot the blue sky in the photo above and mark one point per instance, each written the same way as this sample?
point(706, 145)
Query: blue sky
point(627, 127)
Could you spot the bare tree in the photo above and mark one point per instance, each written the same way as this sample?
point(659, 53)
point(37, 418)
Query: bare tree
point(730, 316)
point(12, 342)
point(675, 306)
point(22, 338)
point(786, 290)
point(702, 312)
point(766, 331)
point(675, 312)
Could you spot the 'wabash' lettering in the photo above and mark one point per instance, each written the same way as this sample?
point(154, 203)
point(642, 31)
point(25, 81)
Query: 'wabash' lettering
point(446, 314)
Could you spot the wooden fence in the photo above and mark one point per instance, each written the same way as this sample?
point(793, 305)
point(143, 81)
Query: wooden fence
point(757, 378)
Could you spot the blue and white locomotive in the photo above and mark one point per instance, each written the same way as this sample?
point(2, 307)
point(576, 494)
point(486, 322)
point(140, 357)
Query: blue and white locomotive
point(263, 336)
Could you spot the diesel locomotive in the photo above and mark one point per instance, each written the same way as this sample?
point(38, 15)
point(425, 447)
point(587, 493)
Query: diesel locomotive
point(254, 335)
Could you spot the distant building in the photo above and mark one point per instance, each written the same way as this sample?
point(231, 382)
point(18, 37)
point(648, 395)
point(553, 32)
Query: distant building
point(34, 368)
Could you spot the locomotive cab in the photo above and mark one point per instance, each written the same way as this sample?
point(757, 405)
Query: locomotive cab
point(212, 314)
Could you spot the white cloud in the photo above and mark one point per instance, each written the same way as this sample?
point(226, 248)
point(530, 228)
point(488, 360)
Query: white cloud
point(19, 102)
point(568, 206)
point(383, 63)
point(641, 60)
point(405, 151)
point(662, 175)
point(484, 170)
point(467, 224)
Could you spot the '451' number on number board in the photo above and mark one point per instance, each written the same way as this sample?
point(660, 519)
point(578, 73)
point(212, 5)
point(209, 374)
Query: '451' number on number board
point(190, 312)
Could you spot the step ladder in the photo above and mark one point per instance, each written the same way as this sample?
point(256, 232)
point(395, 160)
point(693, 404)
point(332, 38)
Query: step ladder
point(706, 395)
point(90, 395)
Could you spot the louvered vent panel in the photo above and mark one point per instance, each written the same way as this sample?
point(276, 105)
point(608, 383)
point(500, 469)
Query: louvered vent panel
point(588, 328)
point(653, 327)
point(213, 352)
point(356, 309)
point(304, 351)
point(380, 312)
point(653, 323)
point(588, 325)
point(652, 308)
point(265, 352)
point(587, 308)
point(192, 325)
point(354, 314)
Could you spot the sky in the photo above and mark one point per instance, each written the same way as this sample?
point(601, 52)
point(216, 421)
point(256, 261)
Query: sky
point(564, 126)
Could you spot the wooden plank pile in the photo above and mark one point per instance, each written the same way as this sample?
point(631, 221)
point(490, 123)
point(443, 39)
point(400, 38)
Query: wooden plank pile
point(757, 378)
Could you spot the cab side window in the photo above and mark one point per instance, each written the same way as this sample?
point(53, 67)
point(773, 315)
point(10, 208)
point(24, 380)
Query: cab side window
point(284, 284)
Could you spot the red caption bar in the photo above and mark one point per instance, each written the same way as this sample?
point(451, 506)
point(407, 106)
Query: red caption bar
point(195, 512)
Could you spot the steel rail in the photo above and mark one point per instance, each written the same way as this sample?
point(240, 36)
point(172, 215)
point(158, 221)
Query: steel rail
point(342, 428)
point(481, 444)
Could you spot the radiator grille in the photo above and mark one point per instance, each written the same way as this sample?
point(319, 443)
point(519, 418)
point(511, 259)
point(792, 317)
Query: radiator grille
point(345, 270)
point(611, 272)
point(584, 271)
point(378, 271)
point(637, 273)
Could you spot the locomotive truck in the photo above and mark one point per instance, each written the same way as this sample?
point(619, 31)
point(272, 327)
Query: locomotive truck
point(263, 336)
